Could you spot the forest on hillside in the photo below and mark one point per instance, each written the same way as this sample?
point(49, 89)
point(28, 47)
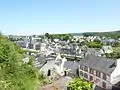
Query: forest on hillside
point(113, 34)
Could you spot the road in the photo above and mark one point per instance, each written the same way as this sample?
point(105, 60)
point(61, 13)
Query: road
point(60, 84)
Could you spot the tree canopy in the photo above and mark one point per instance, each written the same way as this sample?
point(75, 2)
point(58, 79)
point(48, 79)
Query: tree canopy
point(94, 45)
point(58, 36)
point(114, 34)
point(80, 84)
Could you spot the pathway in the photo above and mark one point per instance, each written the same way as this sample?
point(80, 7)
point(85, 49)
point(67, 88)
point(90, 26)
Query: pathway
point(60, 84)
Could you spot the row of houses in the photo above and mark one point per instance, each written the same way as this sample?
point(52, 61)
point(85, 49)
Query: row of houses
point(65, 48)
point(104, 40)
point(102, 72)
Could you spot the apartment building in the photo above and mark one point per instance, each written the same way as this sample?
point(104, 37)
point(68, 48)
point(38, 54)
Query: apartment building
point(100, 71)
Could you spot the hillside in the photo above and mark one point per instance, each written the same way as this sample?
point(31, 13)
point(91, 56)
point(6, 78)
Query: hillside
point(14, 73)
point(113, 34)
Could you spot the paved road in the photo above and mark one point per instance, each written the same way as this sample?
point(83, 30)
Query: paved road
point(59, 84)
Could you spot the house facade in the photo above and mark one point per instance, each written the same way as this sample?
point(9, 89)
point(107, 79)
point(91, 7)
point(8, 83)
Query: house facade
point(100, 71)
point(107, 49)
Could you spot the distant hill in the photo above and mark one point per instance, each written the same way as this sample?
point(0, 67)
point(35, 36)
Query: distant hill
point(113, 34)
point(76, 34)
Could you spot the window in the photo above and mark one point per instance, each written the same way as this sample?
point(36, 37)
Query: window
point(86, 68)
point(103, 84)
point(81, 67)
point(81, 73)
point(91, 78)
point(49, 73)
point(97, 73)
point(85, 75)
point(104, 76)
point(77, 72)
point(91, 71)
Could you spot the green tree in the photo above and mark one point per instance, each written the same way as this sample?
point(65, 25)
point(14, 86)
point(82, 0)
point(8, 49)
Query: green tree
point(60, 36)
point(80, 84)
point(114, 34)
point(116, 44)
point(94, 45)
point(47, 35)
point(14, 74)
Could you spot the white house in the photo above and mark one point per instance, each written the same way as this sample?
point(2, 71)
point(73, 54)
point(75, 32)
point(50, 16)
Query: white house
point(56, 40)
point(107, 49)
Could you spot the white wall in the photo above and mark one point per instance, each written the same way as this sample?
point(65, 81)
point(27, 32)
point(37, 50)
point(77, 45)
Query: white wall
point(115, 76)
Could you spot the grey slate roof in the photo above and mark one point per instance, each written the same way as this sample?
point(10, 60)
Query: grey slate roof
point(98, 88)
point(58, 62)
point(41, 61)
point(100, 63)
point(73, 66)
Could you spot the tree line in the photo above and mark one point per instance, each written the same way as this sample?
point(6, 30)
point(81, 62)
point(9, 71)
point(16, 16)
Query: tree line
point(64, 37)
point(115, 34)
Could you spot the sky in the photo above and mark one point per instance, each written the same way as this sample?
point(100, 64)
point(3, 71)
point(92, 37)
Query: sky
point(28, 17)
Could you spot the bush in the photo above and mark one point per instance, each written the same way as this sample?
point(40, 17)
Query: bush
point(94, 45)
point(116, 44)
point(80, 84)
